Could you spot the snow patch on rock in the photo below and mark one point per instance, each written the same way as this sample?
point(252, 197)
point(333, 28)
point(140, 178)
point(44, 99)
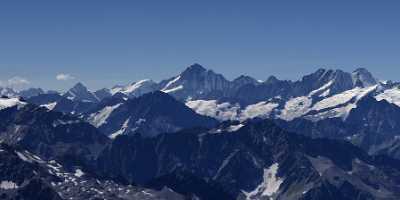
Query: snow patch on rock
point(261, 109)
point(269, 186)
point(211, 108)
point(120, 131)
point(49, 106)
point(390, 95)
point(166, 87)
point(135, 89)
point(10, 102)
point(234, 128)
point(78, 173)
point(180, 87)
point(296, 107)
point(99, 118)
point(8, 185)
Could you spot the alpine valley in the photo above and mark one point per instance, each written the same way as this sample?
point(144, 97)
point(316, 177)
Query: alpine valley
point(331, 135)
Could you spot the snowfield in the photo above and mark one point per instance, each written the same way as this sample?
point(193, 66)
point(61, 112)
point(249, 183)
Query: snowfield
point(8, 185)
point(335, 106)
point(211, 108)
point(269, 186)
point(10, 102)
point(99, 118)
point(391, 95)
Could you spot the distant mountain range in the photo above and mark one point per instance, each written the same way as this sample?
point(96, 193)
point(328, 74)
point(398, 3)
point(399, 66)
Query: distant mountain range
point(210, 94)
point(197, 135)
point(325, 95)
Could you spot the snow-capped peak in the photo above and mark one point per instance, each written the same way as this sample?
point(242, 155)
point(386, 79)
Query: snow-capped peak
point(136, 89)
point(80, 93)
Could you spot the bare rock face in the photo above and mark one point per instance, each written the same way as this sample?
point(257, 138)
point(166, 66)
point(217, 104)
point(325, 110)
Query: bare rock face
point(363, 78)
point(195, 82)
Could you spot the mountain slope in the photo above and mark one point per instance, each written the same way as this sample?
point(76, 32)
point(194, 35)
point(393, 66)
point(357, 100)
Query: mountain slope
point(372, 125)
point(149, 115)
point(27, 176)
point(76, 101)
point(136, 89)
point(22, 179)
point(51, 135)
point(258, 160)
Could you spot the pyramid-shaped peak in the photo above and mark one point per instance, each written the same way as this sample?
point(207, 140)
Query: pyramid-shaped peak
point(81, 93)
point(79, 86)
point(244, 78)
point(195, 68)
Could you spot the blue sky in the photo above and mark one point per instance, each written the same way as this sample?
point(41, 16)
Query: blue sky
point(102, 43)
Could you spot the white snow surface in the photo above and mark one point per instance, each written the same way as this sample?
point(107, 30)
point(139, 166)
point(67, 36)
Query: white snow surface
point(234, 128)
point(296, 107)
point(335, 106)
point(226, 111)
point(177, 88)
point(10, 102)
point(28, 157)
point(166, 87)
point(391, 95)
point(23, 157)
point(211, 108)
point(99, 118)
point(261, 109)
point(343, 97)
point(269, 186)
point(120, 131)
point(324, 88)
point(8, 185)
point(325, 93)
point(338, 105)
point(135, 89)
point(49, 106)
point(135, 86)
point(78, 173)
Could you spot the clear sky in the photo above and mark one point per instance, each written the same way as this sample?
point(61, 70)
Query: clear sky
point(103, 43)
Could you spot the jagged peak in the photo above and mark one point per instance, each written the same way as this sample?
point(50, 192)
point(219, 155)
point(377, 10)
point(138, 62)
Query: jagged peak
point(194, 68)
point(271, 79)
point(79, 86)
point(361, 70)
point(245, 78)
point(80, 92)
point(321, 70)
point(323, 74)
point(363, 78)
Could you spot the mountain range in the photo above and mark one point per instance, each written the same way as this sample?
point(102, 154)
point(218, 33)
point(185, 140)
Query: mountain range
point(197, 135)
